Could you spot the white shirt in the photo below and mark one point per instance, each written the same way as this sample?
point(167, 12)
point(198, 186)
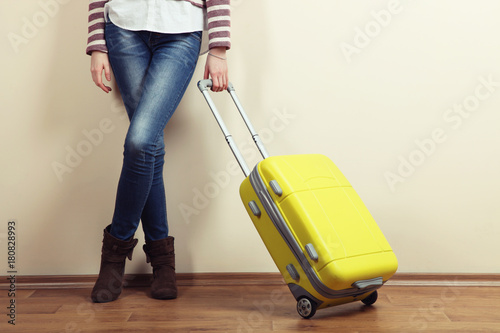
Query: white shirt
point(164, 16)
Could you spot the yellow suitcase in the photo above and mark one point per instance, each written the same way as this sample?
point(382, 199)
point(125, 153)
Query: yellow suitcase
point(319, 233)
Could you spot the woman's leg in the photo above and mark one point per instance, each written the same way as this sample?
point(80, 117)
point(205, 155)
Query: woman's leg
point(172, 62)
point(131, 73)
point(154, 214)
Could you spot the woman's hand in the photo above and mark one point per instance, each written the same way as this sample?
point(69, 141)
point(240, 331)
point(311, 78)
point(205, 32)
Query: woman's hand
point(216, 69)
point(99, 61)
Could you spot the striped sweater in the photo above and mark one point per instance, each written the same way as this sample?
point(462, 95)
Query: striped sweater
point(218, 17)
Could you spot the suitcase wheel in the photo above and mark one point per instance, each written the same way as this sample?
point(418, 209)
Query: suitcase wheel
point(372, 298)
point(306, 308)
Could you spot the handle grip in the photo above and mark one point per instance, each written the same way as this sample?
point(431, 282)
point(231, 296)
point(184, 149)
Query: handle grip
point(203, 85)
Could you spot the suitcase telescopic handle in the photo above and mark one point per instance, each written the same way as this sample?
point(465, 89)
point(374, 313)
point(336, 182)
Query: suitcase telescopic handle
point(204, 86)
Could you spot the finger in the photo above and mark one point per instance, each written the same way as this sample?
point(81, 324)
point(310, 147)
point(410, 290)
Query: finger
point(105, 88)
point(225, 82)
point(107, 72)
point(98, 82)
point(220, 83)
point(205, 74)
point(215, 84)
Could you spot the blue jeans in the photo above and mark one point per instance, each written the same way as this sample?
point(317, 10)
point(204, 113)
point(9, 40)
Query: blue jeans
point(152, 71)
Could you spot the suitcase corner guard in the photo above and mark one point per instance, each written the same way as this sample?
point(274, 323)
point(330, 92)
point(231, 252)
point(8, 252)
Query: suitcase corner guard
point(376, 282)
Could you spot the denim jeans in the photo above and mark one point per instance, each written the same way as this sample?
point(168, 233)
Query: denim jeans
point(152, 71)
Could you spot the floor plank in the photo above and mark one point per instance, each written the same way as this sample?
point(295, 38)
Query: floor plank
point(254, 309)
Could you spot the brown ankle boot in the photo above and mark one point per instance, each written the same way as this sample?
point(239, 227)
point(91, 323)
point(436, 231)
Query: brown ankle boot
point(162, 257)
point(110, 281)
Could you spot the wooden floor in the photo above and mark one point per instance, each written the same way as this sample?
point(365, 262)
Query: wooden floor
point(254, 308)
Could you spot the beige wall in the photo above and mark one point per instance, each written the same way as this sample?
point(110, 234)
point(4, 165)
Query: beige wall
point(403, 96)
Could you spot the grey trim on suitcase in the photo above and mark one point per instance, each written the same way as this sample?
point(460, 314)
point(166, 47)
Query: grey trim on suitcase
point(298, 292)
point(280, 224)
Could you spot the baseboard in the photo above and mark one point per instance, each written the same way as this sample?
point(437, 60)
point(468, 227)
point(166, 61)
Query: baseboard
point(231, 279)
point(143, 280)
point(445, 279)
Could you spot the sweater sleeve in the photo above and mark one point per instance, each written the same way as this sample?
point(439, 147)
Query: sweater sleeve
point(95, 40)
point(219, 23)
